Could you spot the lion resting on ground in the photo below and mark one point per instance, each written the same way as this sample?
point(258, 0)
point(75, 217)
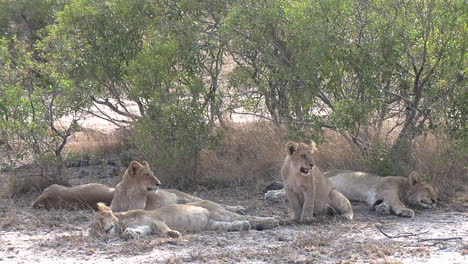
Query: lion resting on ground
point(308, 191)
point(81, 196)
point(137, 190)
point(385, 194)
point(192, 217)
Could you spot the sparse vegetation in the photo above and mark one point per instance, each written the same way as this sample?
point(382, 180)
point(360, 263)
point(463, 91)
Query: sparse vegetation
point(363, 78)
point(209, 92)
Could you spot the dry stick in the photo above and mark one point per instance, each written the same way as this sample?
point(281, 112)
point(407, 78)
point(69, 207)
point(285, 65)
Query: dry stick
point(440, 239)
point(400, 235)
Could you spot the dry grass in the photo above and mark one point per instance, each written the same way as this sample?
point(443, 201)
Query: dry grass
point(248, 153)
point(444, 164)
point(90, 142)
point(251, 154)
point(337, 153)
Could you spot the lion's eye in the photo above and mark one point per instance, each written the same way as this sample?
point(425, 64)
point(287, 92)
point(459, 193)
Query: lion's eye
point(304, 156)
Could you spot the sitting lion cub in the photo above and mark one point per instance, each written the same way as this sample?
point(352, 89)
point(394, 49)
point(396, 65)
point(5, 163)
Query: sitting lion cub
point(309, 193)
point(385, 194)
point(192, 217)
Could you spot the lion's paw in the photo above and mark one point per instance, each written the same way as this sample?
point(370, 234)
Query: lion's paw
point(406, 212)
point(306, 219)
point(238, 209)
point(173, 234)
point(240, 226)
point(132, 233)
point(382, 209)
point(266, 223)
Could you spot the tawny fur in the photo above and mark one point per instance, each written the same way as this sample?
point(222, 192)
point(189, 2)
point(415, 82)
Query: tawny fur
point(388, 195)
point(139, 190)
point(131, 193)
point(165, 221)
point(81, 196)
point(309, 193)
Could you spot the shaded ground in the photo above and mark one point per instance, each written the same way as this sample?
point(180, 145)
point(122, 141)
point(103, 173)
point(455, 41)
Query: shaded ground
point(57, 236)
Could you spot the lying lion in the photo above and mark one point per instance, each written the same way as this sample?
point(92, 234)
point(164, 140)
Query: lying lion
point(137, 190)
point(385, 194)
point(81, 196)
point(192, 217)
point(308, 191)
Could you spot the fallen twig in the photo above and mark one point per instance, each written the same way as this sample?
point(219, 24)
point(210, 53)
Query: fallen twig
point(439, 239)
point(399, 235)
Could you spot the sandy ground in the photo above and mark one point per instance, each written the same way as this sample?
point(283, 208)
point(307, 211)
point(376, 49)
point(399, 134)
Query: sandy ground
point(60, 236)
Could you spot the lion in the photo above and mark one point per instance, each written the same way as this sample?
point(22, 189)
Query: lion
point(387, 195)
point(168, 220)
point(139, 189)
point(308, 191)
point(81, 196)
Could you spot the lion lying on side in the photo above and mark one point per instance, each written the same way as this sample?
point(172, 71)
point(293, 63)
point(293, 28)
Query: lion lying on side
point(165, 221)
point(81, 196)
point(137, 190)
point(385, 194)
point(308, 191)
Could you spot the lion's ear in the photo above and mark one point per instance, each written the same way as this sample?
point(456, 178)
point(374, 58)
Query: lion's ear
point(103, 209)
point(144, 163)
point(415, 178)
point(134, 166)
point(291, 147)
point(313, 146)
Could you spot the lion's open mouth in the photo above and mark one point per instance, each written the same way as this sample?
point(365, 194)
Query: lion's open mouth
point(426, 205)
point(304, 171)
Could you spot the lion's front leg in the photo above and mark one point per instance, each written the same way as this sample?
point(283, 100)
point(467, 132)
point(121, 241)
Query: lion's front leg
point(308, 209)
point(399, 208)
point(238, 225)
point(262, 223)
point(294, 204)
point(159, 227)
point(341, 204)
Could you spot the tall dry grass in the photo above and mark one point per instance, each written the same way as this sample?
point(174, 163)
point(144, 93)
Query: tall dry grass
point(248, 153)
point(443, 162)
point(251, 154)
point(97, 144)
point(337, 153)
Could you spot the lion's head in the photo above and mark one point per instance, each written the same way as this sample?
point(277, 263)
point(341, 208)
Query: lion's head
point(301, 156)
point(142, 175)
point(104, 222)
point(420, 193)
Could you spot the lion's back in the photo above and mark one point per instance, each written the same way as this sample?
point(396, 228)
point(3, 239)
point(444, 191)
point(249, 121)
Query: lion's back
point(355, 185)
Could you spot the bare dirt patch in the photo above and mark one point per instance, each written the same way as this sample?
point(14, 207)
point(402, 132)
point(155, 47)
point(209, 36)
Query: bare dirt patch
point(57, 236)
